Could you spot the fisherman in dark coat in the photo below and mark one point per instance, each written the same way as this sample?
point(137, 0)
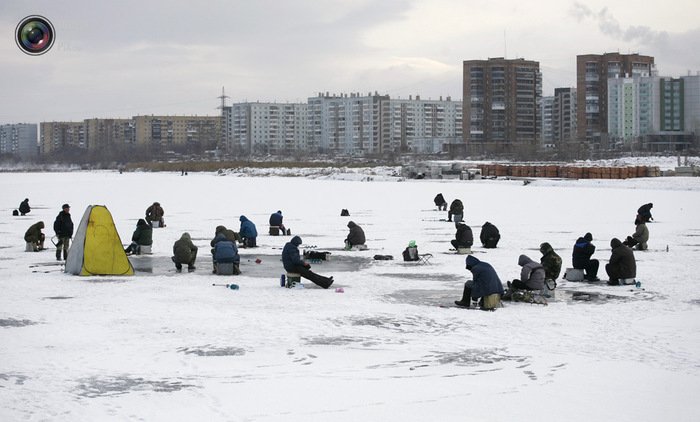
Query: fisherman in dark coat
point(645, 212)
point(550, 261)
point(356, 236)
point(581, 257)
point(276, 220)
point(485, 282)
point(142, 236)
point(35, 236)
point(463, 237)
point(456, 210)
point(155, 213)
point(489, 235)
point(291, 259)
point(622, 263)
point(184, 252)
point(440, 202)
point(24, 207)
point(63, 227)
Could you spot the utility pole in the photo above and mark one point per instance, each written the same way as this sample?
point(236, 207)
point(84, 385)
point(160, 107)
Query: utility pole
point(224, 142)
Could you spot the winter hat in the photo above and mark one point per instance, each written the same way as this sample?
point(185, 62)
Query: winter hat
point(615, 242)
point(185, 236)
point(588, 237)
point(141, 222)
point(412, 244)
point(351, 224)
point(219, 229)
point(64, 206)
point(279, 212)
point(296, 240)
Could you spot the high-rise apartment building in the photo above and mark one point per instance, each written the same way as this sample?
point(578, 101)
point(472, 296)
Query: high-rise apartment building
point(350, 125)
point(56, 137)
point(501, 103)
point(691, 101)
point(547, 116)
point(592, 74)
point(631, 104)
point(166, 132)
point(103, 134)
point(267, 128)
point(564, 115)
point(424, 126)
point(19, 139)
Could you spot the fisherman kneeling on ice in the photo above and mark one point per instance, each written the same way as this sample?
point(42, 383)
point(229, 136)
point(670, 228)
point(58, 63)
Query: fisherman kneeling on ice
point(485, 285)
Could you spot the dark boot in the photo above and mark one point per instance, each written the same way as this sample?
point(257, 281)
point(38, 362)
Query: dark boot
point(466, 298)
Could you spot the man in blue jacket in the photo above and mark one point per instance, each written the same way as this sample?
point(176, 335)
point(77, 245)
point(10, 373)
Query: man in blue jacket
point(225, 251)
point(248, 232)
point(485, 282)
point(291, 259)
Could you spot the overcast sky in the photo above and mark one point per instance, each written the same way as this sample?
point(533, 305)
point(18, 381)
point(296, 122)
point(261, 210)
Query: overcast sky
point(125, 58)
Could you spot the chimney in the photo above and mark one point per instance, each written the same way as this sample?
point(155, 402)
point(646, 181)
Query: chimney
point(410, 97)
point(417, 97)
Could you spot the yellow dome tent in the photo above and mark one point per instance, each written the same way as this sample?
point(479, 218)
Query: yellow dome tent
point(97, 248)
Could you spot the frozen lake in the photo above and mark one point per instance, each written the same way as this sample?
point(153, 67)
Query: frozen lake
point(167, 346)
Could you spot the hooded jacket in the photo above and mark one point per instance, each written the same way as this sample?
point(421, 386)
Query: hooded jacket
point(489, 231)
point(143, 235)
point(532, 273)
point(24, 207)
point(248, 230)
point(456, 207)
point(184, 250)
point(486, 281)
point(641, 233)
point(464, 236)
point(33, 234)
point(439, 200)
point(622, 260)
point(225, 250)
point(645, 211)
point(290, 254)
point(155, 212)
point(550, 261)
point(356, 235)
point(583, 250)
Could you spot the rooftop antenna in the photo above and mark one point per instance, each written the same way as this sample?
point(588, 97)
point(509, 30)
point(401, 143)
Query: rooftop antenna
point(505, 45)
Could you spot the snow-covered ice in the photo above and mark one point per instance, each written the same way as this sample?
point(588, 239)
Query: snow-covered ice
point(168, 346)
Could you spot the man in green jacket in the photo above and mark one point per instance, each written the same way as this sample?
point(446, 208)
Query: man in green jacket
point(35, 236)
point(184, 252)
point(143, 236)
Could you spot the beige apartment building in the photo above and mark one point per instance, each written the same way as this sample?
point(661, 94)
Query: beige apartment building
point(177, 131)
point(58, 136)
